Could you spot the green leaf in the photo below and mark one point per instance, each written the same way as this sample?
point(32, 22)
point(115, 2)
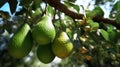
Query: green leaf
point(116, 11)
point(93, 25)
point(105, 34)
point(94, 36)
point(97, 11)
point(13, 5)
point(116, 6)
point(69, 4)
point(50, 10)
point(36, 13)
point(112, 33)
point(36, 4)
point(57, 23)
point(63, 25)
point(77, 8)
point(110, 28)
point(118, 17)
point(113, 36)
point(103, 26)
point(69, 32)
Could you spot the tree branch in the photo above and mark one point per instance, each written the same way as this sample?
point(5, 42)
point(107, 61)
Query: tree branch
point(107, 21)
point(61, 7)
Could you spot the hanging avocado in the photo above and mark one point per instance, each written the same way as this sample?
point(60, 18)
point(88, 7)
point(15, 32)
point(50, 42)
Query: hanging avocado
point(20, 44)
point(62, 46)
point(44, 32)
point(45, 54)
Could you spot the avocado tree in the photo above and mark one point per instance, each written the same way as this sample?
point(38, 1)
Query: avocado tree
point(79, 32)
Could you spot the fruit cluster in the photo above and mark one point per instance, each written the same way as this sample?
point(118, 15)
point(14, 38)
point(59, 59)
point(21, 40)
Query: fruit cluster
point(51, 44)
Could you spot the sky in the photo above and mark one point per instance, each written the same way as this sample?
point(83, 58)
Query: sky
point(5, 7)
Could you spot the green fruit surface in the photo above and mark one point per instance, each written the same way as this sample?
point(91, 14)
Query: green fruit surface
point(45, 54)
point(44, 32)
point(62, 46)
point(20, 44)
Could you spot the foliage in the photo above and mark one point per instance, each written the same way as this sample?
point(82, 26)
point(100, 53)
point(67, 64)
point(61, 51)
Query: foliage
point(96, 43)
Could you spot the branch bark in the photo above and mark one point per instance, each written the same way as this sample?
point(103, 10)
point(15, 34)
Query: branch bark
point(61, 7)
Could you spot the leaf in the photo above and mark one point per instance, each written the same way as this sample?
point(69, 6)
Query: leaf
point(114, 9)
point(36, 13)
point(69, 4)
point(116, 6)
point(95, 37)
point(87, 57)
point(13, 5)
point(118, 16)
point(118, 13)
point(112, 33)
point(110, 28)
point(113, 36)
point(69, 32)
point(36, 4)
point(77, 8)
point(102, 26)
point(2, 2)
point(63, 25)
point(97, 11)
point(83, 50)
point(57, 23)
point(93, 25)
point(50, 10)
point(105, 34)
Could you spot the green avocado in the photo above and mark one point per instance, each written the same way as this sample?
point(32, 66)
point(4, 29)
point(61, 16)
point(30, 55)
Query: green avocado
point(62, 46)
point(20, 44)
point(45, 54)
point(44, 32)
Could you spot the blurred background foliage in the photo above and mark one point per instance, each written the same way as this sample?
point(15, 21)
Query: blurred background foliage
point(95, 44)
